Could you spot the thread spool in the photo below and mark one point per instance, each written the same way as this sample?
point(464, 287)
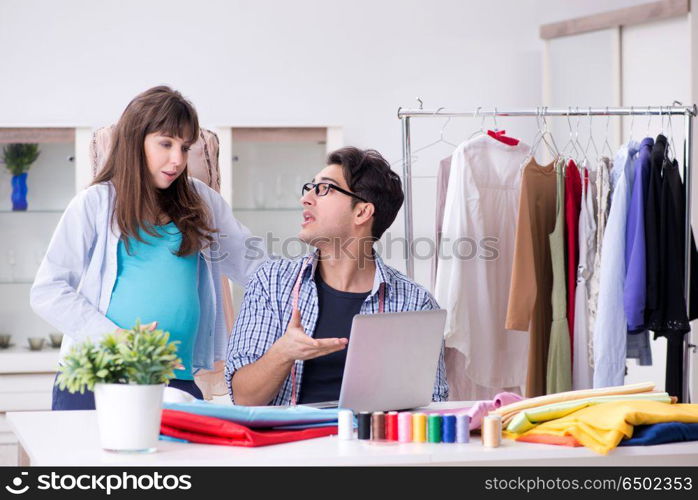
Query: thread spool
point(462, 428)
point(377, 426)
point(345, 420)
point(434, 428)
point(448, 429)
point(492, 431)
point(364, 425)
point(391, 426)
point(404, 427)
point(419, 427)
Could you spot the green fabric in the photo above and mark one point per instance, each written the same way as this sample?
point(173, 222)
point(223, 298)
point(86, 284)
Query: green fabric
point(528, 419)
point(559, 372)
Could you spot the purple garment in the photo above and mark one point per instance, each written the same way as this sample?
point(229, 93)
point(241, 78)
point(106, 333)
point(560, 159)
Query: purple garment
point(634, 293)
point(480, 409)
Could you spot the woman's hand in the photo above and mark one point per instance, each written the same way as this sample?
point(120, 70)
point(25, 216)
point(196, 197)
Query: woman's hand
point(144, 328)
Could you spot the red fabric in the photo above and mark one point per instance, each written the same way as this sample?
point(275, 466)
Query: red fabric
point(573, 203)
point(501, 137)
point(548, 439)
point(210, 430)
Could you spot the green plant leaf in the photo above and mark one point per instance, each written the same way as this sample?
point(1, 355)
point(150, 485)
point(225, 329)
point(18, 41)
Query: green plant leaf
point(132, 356)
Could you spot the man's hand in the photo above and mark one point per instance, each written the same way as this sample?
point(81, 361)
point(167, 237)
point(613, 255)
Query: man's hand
point(295, 344)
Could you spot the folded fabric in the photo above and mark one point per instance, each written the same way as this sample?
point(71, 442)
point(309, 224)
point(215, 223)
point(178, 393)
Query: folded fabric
point(507, 412)
point(259, 416)
point(528, 419)
point(601, 427)
point(210, 430)
point(666, 432)
point(549, 439)
point(480, 409)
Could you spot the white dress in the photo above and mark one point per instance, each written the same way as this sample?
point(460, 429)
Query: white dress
point(474, 270)
point(582, 372)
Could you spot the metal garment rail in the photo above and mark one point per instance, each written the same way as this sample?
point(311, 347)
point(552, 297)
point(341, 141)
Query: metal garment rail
point(688, 112)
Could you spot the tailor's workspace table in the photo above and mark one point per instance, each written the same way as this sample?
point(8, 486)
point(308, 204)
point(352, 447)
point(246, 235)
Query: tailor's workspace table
point(71, 439)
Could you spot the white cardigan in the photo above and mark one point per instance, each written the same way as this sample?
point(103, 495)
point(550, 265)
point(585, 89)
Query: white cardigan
point(73, 285)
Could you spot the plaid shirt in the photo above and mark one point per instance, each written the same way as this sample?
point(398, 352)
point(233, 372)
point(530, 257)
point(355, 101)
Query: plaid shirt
point(267, 306)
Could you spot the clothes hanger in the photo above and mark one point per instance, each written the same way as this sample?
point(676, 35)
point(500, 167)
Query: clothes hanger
point(441, 138)
point(500, 135)
point(606, 146)
point(591, 141)
point(632, 124)
point(541, 134)
point(570, 145)
point(671, 133)
point(576, 138)
point(481, 130)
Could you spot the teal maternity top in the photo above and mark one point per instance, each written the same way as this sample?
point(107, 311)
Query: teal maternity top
point(153, 284)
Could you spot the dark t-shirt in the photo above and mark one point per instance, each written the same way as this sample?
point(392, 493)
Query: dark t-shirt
point(322, 377)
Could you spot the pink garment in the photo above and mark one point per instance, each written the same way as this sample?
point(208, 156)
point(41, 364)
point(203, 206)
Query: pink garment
point(480, 409)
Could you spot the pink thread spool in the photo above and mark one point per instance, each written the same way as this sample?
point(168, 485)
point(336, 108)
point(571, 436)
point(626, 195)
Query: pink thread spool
point(404, 427)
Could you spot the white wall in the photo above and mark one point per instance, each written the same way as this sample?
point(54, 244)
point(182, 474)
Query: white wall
point(306, 62)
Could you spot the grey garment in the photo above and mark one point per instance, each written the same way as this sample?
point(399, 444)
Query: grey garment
point(639, 348)
point(441, 189)
point(603, 206)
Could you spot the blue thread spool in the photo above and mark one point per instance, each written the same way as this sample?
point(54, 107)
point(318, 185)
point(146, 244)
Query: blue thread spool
point(448, 429)
point(462, 429)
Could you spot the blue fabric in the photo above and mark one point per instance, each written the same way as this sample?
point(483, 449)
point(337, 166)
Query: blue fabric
point(666, 432)
point(154, 284)
point(322, 380)
point(259, 416)
point(268, 303)
point(63, 400)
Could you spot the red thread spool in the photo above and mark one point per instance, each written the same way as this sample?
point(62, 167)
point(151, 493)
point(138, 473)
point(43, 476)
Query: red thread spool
point(391, 426)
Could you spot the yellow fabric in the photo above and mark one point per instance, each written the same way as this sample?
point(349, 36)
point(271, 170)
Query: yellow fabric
point(601, 427)
point(528, 419)
point(512, 409)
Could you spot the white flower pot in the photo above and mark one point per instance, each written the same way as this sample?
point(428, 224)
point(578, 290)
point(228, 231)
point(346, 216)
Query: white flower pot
point(129, 416)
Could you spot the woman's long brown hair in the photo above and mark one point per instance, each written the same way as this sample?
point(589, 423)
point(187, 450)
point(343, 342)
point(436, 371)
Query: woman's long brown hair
point(138, 201)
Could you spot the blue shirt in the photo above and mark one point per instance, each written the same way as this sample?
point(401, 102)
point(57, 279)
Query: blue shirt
point(154, 284)
point(266, 311)
point(635, 272)
point(611, 326)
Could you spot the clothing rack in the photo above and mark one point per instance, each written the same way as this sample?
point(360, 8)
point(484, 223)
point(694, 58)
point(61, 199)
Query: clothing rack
point(688, 112)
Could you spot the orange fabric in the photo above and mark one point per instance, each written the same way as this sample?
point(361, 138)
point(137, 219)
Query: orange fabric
point(547, 439)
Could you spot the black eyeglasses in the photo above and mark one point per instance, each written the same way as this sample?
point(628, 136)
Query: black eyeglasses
point(322, 188)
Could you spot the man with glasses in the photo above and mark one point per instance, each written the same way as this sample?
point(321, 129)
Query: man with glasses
point(289, 341)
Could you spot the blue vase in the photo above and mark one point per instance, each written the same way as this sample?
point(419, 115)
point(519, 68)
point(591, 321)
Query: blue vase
point(19, 192)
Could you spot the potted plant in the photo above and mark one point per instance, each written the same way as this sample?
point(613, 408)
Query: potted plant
point(127, 370)
point(18, 158)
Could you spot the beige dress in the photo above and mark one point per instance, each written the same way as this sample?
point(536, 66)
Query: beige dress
point(529, 306)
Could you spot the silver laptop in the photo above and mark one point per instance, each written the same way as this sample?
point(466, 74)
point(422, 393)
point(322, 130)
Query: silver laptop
point(392, 360)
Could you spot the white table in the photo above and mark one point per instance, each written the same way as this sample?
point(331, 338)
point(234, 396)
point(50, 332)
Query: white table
point(71, 438)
